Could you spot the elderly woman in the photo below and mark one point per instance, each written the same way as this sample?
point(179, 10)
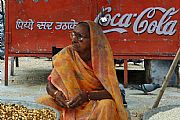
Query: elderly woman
point(83, 83)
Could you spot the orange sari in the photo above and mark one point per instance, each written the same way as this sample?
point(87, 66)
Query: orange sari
point(71, 75)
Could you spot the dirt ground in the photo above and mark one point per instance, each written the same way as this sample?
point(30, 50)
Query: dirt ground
point(30, 78)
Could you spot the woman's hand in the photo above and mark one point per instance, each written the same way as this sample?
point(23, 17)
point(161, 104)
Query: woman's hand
point(60, 99)
point(86, 96)
point(78, 100)
point(57, 95)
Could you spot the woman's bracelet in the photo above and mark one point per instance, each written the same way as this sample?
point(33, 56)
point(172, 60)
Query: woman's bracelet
point(88, 95)
point(55, 93)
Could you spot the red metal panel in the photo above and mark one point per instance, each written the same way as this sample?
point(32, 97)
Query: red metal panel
point(31, 37)
point(145, 27)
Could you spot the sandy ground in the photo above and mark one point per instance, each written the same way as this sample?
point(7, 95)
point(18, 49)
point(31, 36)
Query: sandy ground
point(30, 80)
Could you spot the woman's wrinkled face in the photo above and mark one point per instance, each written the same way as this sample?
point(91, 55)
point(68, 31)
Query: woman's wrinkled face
point(80, 38)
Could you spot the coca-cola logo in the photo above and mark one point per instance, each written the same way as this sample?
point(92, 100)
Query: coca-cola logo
point(164, 26)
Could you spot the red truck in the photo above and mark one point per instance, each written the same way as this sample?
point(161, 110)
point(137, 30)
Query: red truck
point(135, 29)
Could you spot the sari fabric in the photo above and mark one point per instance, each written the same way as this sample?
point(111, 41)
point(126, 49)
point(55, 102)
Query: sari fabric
point(71, 75)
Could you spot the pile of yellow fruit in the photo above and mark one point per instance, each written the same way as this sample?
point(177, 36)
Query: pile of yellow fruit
point(20, 112)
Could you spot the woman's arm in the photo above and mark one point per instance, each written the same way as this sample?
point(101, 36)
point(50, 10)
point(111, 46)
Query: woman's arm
point(51, 89)
point(85, 96)
point(56, 94)
point(99, 95)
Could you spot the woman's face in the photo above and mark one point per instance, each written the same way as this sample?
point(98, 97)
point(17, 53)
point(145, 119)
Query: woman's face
point(81, 38)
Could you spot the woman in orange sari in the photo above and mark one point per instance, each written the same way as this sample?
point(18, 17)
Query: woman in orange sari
point(83, 84)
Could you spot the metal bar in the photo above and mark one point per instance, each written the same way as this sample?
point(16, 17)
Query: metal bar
point(6, 67)
point(150, 57)
point(17, 61)
point(125, 73)
point(6, 43)
point(115, 56)
point(31, 55)
point(12, 66)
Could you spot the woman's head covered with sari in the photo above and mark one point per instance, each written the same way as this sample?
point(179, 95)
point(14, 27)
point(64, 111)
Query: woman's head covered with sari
point(100, 54)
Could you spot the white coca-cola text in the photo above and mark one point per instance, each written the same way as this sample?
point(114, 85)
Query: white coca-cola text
point(163, 26)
